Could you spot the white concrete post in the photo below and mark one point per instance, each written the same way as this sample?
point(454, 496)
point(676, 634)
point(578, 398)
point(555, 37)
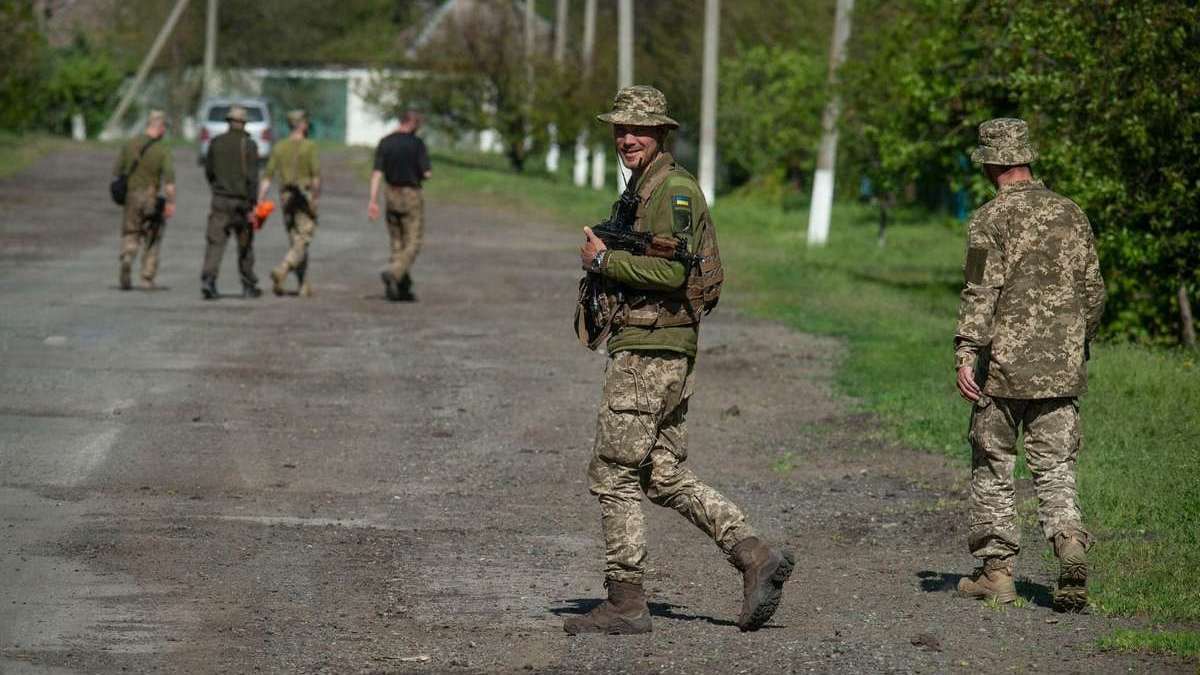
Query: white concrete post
point(822, 193)
point(708, 102)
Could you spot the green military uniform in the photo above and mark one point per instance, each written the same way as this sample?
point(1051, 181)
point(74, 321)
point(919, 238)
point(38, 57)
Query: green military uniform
point(1031, 304)
point(295, 166)
point(141, 223)
point(641, 433)
point(231, 167)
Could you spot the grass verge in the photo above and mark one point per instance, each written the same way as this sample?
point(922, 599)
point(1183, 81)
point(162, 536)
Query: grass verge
point(1180, 643)
point(895, 307)
point(18, 151)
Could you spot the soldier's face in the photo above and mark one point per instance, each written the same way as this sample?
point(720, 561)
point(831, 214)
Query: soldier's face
point(636, 146)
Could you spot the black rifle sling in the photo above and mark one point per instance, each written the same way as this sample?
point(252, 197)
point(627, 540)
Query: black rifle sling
point(137, 160)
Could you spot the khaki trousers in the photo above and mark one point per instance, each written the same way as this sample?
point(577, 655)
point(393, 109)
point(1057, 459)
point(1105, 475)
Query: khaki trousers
point(301, 228)
point(405, 218)
point(140, 231)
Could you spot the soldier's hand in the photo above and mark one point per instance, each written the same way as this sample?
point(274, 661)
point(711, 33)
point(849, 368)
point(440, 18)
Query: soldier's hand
point(966, 384)
point(373, 211)
point(168, 209)
point(590, 249)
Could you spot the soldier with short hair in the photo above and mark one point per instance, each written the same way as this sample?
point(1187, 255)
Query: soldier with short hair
point(231, 166)
point(147, 165)
point(402, 161)
point(1030, 307)
point(294, 163)
point(641, 434)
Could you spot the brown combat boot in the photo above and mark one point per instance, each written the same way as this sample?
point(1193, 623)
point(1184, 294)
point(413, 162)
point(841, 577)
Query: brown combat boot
point(624, 613)
point(991, 580)
point(764, 569)
point(1071, 595)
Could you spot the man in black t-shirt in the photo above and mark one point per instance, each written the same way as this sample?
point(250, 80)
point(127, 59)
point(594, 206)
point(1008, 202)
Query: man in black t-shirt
point(402, 160)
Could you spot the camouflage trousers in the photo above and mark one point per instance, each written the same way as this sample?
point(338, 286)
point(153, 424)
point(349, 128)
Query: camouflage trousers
point(301, 227)
point(1052, 440)
point(141, 232)
point(641, 444)
point(405, 219)
point(227, 215)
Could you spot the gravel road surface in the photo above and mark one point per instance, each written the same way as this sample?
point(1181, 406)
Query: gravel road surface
point(341, 484)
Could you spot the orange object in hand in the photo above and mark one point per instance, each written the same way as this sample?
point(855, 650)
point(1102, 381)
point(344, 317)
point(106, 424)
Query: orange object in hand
point(262, 212)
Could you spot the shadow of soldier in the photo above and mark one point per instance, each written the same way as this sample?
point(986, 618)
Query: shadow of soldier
point(662, 610)
point(947, 582)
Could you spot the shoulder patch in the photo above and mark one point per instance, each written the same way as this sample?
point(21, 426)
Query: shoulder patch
point(681, 212)
point(977, 259)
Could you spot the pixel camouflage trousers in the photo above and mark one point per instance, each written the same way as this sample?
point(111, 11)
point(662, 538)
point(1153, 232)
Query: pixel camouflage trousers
point(137, 236)
point(301, 228)
point(641, 443)
point(405, 218)
point(1052, 441)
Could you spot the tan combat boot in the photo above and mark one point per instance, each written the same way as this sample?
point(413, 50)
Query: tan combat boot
point(764, 569)
point(991, 580)
point(125, 279)
point(278, 275)
point(1071, 595)
point(306, 290)
point(624, 613)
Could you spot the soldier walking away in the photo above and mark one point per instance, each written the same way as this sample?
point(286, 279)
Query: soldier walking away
point(401, 160)
point(641, 435)
point(294, 163)
point(146, 165)
point(1030, 307)
point(231, 167)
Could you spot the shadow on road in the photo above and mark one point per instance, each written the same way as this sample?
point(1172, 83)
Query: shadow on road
point(947, 582)
point(662, 610)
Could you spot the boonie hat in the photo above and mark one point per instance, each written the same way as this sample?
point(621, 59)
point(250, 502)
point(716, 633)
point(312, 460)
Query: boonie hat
point(236, 114)
point(1004, 141)
point(640, 105)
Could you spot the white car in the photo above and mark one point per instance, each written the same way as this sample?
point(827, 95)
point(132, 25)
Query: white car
point(211, 118)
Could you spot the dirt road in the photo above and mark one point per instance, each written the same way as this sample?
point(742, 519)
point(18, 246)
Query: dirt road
point(341, 484)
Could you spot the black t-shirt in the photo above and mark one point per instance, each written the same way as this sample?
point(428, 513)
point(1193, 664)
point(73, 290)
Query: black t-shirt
point(402, 158)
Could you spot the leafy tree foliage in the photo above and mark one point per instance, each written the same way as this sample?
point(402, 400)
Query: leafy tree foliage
point(1111, 89)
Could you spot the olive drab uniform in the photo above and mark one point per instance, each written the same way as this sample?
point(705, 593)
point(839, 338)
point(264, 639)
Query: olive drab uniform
point(1030, 306)
point(641, 432)
point(294, 164)
point(142, 224)
point(231, 167)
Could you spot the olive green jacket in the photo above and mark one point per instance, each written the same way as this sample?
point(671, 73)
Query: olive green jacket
point(153, 170)
point(231, 166)
point(674, 207)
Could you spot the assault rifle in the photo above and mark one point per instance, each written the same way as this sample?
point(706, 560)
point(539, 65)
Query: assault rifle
point(618, 234)
point(154, 224)
point(298, 202)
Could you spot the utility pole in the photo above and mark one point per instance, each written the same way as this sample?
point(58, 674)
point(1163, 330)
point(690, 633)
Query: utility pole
point(111, 128)
point(708, 101)
point(210, 48)
point(624, 67)
point(822, 192)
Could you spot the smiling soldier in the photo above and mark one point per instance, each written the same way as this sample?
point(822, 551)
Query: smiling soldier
point(641, 438)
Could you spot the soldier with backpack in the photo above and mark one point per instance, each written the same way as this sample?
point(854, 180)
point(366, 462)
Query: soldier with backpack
point(142, 168)
point(647, 308)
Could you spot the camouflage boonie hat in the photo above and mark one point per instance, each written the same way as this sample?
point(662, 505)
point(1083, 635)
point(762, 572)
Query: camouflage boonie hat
point(639, 105)
point(295, 117)
point(236, 114)
point(1004, 141)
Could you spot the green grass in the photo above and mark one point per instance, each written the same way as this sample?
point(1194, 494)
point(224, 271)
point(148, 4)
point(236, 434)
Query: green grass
point(18, 151)
point(895, 306)
point(1181, 643)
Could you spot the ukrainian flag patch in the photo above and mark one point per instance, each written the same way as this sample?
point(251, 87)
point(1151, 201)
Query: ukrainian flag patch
point(681, 202)
point(681, 207)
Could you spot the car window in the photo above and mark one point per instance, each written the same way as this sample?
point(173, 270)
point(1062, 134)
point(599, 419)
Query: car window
point(217, 113)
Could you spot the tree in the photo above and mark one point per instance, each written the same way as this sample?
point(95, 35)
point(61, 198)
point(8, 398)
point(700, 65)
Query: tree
point(1111, 90)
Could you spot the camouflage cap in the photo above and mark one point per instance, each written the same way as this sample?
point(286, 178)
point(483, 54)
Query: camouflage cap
point(156, 116)
point(639, 105)
point(295, 117)
point(236, 114)
point(1004, 141)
